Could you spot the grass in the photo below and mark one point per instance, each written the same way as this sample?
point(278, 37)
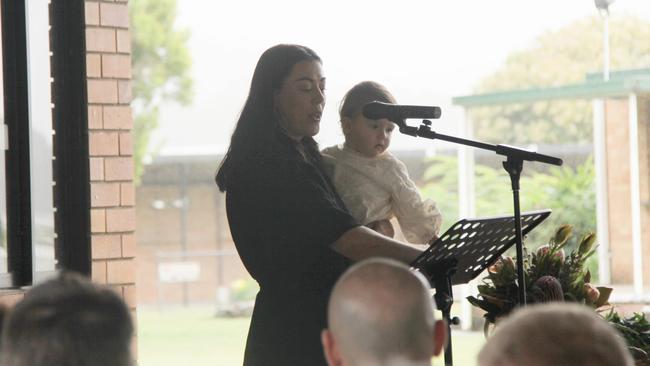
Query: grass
point(195, 337)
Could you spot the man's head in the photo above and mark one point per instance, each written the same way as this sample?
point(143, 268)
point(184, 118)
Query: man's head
point(68, 321)
point(557, 334)
point(381, 313)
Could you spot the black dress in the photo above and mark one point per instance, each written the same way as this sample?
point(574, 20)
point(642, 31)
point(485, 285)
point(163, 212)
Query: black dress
point(284, 215)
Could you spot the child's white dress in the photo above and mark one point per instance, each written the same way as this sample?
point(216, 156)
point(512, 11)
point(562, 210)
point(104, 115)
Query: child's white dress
point(380, 188)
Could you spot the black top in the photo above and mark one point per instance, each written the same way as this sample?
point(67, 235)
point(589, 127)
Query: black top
point(284, 215)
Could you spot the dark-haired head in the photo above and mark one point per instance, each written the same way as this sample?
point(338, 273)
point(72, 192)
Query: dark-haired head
point(362, 94)
point(68, 321)
point(259, 123)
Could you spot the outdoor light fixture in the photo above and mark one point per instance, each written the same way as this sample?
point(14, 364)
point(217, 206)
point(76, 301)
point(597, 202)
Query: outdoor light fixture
point(603, 5)
point(603, 8)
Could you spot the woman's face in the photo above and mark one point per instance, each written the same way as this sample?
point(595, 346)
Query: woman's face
point(301, 99)
point(368, 137)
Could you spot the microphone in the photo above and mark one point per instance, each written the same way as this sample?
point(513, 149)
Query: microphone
point(398, 113)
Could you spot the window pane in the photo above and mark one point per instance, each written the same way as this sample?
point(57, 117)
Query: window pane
point(40, 125)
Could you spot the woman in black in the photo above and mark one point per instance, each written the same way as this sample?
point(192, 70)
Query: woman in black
point(292, 232)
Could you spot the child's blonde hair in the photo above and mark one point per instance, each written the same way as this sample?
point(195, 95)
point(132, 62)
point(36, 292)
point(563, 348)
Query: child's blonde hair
point(362, 94)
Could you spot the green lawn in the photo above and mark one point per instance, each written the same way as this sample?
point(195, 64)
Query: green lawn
point(195, 337)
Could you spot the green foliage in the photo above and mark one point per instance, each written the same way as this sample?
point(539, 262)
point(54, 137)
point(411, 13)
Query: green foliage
point(244, 290)
point(569, 192)
point(636, 332)
point(161, 67)
point(557, 58)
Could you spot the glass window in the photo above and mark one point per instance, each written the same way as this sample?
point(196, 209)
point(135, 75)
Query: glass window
point(40, 126)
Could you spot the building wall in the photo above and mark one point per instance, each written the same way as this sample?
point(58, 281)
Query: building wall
point(643, 111)
point(198, 227)
point(110, 121)
point(618, 182)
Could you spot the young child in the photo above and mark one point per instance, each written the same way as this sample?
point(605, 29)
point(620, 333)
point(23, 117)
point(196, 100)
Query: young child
point(373, 184)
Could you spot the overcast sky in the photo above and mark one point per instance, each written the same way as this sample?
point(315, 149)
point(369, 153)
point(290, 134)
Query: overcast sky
point(424, 51)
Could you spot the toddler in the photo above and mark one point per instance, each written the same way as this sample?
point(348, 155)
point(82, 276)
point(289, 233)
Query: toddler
point(373, 184)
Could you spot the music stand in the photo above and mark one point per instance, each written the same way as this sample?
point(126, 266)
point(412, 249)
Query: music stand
point(466, 249)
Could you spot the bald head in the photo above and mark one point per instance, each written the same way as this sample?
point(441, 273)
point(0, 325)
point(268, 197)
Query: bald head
point(558, 334)
point(380, 311)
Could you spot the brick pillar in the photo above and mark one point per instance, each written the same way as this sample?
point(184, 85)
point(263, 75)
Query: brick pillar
point(618, 183)
point(643, 112)
point(110, 122)
point(618, 186)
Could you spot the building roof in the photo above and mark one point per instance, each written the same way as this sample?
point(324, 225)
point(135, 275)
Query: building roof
point(621, 83)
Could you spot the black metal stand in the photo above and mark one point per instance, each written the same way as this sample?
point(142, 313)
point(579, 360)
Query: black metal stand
point(444, 299)
point(464, 251)
point(513, 165)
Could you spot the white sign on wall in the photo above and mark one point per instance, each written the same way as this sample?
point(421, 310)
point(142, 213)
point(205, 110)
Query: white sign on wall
point(175, 272)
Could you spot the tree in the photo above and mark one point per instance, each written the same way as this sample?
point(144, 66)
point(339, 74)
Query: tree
point(570, 192)
point(558, 58)
point(161, 68)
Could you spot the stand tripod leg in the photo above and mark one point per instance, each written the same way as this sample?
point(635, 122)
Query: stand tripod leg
point(448, 348)
point(443, 299)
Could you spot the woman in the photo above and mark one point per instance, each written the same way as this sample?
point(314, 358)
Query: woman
point(291, 229)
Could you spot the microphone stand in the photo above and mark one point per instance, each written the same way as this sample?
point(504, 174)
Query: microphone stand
point(515, 158)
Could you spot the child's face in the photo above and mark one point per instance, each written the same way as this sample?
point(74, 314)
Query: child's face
point(369, 137)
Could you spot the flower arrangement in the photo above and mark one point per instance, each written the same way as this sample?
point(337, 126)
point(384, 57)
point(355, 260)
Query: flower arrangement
point(550, 275)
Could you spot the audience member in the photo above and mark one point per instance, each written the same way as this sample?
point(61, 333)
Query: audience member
point(555, 334)
point(68, 321)
point(380, 313)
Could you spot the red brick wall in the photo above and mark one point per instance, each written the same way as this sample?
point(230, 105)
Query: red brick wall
point(618, 185)
point(643, 107)
point(110, 121)
point(618, 181)
point(110, 143)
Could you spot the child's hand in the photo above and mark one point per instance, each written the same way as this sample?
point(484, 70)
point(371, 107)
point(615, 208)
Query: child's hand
point(383, 227)
point(433, 240)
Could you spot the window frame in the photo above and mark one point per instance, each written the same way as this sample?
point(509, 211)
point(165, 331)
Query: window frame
point(17, 162)
point(71, 170)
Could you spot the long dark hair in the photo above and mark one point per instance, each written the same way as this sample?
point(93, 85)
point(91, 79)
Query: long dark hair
point(258, 124)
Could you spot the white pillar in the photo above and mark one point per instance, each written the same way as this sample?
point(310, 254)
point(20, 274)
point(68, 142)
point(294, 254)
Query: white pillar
point(602, 211)
point(635, 198)
point(466, 198)
point(466, 204)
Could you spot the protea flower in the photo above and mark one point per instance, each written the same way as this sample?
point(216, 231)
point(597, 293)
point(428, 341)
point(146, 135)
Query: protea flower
point(502, 263)
point(508, 263)
point(591, 292)
point(560, 255)
point(543, 250)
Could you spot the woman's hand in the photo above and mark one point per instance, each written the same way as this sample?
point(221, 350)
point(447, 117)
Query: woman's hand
point(383, 227)
point(361, 243)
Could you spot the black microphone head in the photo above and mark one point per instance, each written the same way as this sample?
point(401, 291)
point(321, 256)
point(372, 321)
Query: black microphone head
point(376, 110)
point(398, 113)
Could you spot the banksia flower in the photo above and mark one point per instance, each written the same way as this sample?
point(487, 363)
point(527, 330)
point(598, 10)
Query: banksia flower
point(547, 289)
